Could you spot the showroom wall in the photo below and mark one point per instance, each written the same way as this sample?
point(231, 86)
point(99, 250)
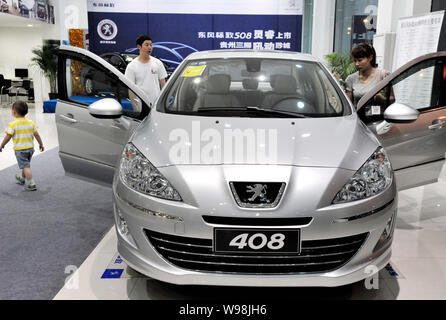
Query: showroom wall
point(16, 44)
point(17, 39)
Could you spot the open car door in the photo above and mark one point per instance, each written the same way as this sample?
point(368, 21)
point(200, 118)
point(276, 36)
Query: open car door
point(416, 148)
point(90, 147)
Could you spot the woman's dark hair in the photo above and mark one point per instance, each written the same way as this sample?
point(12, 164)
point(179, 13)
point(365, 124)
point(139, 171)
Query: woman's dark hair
point(364, 50)
point(21, 108)
point(142, 38)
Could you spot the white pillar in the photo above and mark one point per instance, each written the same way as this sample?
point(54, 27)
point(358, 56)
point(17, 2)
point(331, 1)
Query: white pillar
point(323, 28)
point(389, 12)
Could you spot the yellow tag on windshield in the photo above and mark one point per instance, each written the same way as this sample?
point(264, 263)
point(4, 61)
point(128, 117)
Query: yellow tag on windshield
point(195, 71)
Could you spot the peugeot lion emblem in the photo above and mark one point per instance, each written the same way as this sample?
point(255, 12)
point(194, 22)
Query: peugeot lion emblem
point(259, 190)
point(261, 195)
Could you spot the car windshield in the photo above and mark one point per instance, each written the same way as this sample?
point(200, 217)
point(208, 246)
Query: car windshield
point(253, 87)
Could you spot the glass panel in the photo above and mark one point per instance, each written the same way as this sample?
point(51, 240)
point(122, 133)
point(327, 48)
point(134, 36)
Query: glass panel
point(233, 85)
point(355, 23)
point(87, 84)
point(414, 87)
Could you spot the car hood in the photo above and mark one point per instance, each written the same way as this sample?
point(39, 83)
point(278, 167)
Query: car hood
point(341, 142)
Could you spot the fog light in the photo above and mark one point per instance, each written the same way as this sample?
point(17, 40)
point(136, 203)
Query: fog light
point(386, 236)
point(123, 228)
point(122, 224)
point(388, 230)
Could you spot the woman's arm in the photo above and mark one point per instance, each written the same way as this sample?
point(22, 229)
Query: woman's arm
point(350, 96)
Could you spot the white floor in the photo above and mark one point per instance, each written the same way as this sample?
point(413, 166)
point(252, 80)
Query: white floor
point(419, 250)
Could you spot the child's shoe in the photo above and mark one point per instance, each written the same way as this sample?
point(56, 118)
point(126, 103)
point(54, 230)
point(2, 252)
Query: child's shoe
point(20, 179)
point(31, 187)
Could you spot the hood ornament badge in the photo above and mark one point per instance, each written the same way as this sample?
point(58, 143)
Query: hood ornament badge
point(260, 195)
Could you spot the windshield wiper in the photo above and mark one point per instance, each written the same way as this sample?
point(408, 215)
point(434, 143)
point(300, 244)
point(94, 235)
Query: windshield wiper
point(212, 109)
point(271, 111)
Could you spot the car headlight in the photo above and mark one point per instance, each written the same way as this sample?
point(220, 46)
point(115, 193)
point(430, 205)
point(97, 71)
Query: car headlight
point(139, 174)
point(372, 178)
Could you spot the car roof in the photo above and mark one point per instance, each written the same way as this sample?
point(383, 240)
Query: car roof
point(262, 54)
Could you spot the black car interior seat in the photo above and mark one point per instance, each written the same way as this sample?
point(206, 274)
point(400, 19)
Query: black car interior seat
point(251, 96)
point(218, 94)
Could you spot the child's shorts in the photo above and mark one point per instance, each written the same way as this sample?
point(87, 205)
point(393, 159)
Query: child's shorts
point(24, 157)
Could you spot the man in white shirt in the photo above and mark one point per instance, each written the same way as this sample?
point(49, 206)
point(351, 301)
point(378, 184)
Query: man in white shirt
point(147, 72)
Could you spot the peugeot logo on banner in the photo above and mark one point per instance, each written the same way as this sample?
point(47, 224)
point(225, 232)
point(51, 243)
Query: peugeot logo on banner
point(107, 29)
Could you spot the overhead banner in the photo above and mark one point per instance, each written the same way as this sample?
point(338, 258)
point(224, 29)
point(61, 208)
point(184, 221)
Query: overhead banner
point(179, 28)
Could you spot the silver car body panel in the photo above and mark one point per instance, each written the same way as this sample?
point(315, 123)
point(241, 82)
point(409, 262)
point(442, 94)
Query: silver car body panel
point(301, 142)
point(416, 146)
point(215, 199)
point(89, 147)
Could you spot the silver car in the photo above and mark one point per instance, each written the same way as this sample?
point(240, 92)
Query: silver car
point(253, 168)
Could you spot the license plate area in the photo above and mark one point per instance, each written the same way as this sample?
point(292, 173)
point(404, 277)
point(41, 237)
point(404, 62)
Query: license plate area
point(257, 241)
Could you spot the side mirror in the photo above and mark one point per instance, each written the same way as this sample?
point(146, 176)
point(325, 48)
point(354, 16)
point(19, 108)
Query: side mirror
point(400, 113)
point(107, 108)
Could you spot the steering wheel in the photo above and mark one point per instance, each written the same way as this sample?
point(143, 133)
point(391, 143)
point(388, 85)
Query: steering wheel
point(296, 104)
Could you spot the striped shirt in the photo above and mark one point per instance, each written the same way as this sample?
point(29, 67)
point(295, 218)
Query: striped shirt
point(22, 131)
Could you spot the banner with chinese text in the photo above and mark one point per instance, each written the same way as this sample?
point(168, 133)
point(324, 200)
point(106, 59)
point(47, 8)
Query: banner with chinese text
point(180, 28)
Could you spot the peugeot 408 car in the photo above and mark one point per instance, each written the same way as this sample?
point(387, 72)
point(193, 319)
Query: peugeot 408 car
point(253, 168)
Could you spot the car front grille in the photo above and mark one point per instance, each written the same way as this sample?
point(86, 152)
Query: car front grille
point(317, 256)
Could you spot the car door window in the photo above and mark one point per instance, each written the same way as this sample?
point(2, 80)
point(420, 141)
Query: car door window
point(419, 87)
point(87, 83)
point(415, 89)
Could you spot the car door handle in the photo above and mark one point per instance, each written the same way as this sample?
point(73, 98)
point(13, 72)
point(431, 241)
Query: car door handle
point(68, 118)
point(437, 124)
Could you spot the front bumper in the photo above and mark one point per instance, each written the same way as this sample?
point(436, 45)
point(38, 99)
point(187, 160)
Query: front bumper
point(336, 221)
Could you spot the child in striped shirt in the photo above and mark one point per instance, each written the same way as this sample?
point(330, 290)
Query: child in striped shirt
point(22, 131)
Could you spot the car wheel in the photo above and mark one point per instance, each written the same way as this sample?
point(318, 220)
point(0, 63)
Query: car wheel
point(89, 88)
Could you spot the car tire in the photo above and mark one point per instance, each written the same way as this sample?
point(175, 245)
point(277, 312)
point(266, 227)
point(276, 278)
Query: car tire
point(89, 87)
